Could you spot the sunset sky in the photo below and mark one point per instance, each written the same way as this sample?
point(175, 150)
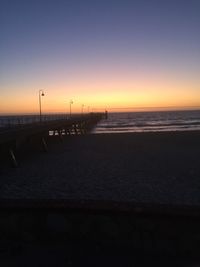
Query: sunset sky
point(100, 53)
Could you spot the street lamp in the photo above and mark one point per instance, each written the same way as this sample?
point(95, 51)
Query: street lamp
point(41, 93)
point(70, 107)
point(82, 108)
point(88, 109)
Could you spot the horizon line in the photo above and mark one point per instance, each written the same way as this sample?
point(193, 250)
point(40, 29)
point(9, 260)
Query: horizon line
point(145, 109)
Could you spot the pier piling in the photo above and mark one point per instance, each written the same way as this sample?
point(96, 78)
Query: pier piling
point(13, 158)
point(24, 134)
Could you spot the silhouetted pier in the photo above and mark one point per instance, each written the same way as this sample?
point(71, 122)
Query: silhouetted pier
point(19, 130)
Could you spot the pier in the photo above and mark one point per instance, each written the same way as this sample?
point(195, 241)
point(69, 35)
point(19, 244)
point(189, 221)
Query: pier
point(16, 131)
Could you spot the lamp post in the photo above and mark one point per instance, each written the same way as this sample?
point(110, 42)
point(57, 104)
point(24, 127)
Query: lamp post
point(88, 109)
point(41, 93)
point(70, 107)
point(82, 108)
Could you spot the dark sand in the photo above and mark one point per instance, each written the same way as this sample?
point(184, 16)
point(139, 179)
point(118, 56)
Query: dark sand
point(135, 167)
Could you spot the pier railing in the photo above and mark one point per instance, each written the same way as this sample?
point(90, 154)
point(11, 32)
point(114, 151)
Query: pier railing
point(13, 121)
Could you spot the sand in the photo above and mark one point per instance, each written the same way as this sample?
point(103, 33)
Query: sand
point(130, 167)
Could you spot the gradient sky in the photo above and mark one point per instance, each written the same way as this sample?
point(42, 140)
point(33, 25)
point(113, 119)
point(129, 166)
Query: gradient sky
point(100, 53)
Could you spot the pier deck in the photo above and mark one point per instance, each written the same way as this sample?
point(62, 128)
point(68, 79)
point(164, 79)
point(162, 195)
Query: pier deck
point(17, 131)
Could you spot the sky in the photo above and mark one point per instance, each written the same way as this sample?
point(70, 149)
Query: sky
point(139, 54)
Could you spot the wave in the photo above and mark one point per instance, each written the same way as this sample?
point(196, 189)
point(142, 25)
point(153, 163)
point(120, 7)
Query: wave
point(157, 121)
point(155, 125)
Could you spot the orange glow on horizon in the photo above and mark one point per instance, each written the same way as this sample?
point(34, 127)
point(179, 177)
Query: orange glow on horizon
point(139, 95)
point(100, 101)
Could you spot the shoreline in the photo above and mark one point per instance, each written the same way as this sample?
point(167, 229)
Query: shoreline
point(142, 131)
point(149, 132)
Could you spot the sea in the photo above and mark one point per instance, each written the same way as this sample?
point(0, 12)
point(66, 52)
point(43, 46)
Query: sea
point(157, 121)
point(151, 121)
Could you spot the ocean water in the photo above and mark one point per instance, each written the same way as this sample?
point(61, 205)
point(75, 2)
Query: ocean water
point(149, 122)
point(124, 122)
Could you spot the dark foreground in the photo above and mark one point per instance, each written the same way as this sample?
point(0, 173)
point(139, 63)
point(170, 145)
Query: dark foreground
point(104, 200)
point(143, 168)
point(74, 237)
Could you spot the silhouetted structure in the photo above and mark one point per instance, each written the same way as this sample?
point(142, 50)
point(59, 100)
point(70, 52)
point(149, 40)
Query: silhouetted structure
point(106, 114)
point(14, 135)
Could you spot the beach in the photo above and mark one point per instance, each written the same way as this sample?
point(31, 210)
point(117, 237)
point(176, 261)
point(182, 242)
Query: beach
point(161, 168)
